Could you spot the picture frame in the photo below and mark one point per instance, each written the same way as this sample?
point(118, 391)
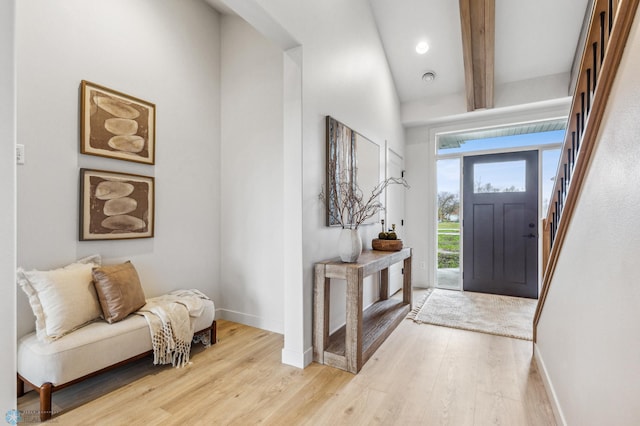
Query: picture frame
point(353, 164)
point(116, 206)
point(116, 125)
point(341, 166)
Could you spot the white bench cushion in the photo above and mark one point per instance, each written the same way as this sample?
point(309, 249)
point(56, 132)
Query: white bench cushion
point(91, 348)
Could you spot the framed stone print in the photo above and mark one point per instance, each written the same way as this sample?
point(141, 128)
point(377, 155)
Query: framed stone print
point(115, 206)
point(116, 125)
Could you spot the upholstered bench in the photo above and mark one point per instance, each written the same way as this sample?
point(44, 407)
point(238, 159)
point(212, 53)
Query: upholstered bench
point(49, 362)
point(88, 351)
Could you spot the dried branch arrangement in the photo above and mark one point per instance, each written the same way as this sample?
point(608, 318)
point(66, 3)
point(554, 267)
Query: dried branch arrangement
point(346, 203)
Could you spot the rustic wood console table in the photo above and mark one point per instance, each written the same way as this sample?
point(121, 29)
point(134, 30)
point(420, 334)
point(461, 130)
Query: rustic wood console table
point(353, 344)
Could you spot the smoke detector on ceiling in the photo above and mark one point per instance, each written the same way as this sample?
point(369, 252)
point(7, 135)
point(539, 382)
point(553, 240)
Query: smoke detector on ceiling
point(429, 76)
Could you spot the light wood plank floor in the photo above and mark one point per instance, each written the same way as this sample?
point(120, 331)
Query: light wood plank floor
point(422, 375)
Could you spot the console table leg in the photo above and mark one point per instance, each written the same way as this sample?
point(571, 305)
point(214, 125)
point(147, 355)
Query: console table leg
point(384, 284)
point(406, 283)
point(353, 343)
point(320, 314)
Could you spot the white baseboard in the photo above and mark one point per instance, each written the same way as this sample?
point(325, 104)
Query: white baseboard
point(250, 320)
point(297, 359)
point(546, 380)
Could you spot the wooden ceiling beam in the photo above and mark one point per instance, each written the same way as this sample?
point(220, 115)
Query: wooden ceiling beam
point(477, 19)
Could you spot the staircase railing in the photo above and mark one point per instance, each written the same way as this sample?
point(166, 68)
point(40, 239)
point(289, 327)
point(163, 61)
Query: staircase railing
point(604, 44)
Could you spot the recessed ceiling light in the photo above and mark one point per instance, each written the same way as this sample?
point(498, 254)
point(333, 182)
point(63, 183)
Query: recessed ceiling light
point(429, 76)
point(422, 47)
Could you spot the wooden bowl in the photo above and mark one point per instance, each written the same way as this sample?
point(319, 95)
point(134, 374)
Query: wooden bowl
point(386, 245)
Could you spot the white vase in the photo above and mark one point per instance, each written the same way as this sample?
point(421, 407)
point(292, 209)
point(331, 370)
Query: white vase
point(349, 245)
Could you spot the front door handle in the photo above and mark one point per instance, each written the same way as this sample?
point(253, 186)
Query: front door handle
point(530, 236)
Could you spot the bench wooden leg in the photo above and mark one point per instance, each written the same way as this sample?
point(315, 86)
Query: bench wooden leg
point(19, 386)
point(214, 333)
point(45, 401)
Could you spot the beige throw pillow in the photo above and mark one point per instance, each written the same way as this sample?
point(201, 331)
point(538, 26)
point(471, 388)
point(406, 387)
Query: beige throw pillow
point(119, 290)
point(63, 299)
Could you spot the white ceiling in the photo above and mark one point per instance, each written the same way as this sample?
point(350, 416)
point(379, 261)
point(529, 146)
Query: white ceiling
point(532, 39)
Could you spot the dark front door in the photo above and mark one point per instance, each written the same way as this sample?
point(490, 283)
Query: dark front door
point(500, 227)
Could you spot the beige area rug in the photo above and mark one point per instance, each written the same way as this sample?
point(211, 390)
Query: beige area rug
point(486, 313)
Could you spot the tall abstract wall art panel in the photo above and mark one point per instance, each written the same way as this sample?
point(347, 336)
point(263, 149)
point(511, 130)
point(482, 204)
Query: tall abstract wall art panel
point(341, 167)
point(353, 172)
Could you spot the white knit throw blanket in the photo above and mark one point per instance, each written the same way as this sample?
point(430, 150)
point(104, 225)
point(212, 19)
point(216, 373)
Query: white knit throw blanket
point(169, 319)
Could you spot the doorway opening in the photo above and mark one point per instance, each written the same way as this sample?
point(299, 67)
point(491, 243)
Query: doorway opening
point(543, 140)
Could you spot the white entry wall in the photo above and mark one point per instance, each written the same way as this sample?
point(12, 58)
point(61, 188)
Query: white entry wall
point(348, 78)
point(163, 51)
point(252, 176)
point(8, 211)
point(588, 343)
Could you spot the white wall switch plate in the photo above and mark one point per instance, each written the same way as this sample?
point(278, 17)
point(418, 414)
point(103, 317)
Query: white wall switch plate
point(20, 154)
